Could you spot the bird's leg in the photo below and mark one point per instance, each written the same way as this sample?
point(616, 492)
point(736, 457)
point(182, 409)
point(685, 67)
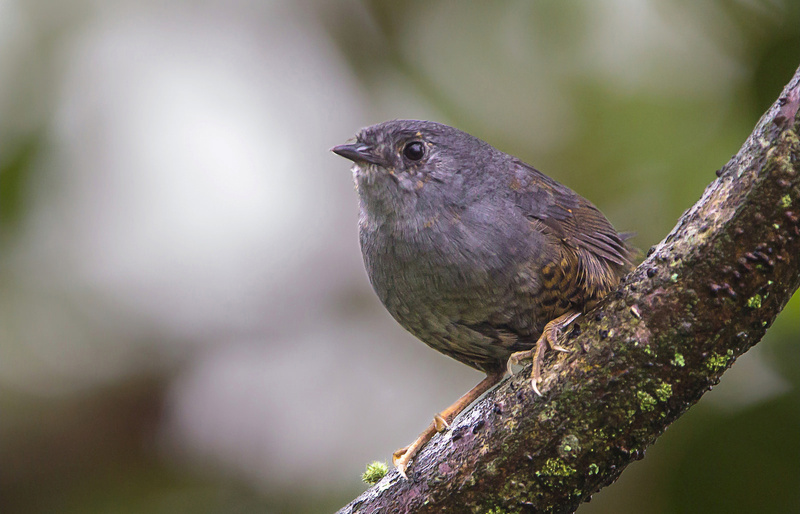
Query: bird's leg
point(441, 421)
point(549, 338)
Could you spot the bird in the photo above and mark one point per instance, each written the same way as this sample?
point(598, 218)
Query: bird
point(476, 253)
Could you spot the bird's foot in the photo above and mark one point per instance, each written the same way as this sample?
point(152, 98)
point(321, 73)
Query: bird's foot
point(548, 339)
point(441, 422)
point(402, 457)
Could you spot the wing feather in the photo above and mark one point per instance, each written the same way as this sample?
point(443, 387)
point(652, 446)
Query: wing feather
point(569, 216)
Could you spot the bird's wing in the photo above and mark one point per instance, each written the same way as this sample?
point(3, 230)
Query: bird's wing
point(570, 217)
point(593, 256)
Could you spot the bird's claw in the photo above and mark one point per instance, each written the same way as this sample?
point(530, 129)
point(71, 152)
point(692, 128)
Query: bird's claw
point(536, 354)
point(535, 387)
point(440, 423)
point(517, 357)
point(400, 459)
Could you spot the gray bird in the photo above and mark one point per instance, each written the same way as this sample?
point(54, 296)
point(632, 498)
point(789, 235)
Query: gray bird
point(479, 255)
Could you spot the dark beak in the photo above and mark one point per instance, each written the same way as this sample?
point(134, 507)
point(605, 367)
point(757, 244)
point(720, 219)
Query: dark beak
point(358, 152)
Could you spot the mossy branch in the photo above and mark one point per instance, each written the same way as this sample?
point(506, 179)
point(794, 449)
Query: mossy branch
point(648, 352)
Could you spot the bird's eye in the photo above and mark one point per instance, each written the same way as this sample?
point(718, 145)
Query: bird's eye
point(414, 151)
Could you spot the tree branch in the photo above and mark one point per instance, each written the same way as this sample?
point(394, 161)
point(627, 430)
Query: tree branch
point(702, 297)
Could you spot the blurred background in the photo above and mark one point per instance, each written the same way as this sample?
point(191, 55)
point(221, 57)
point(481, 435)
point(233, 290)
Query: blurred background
point(185, 323)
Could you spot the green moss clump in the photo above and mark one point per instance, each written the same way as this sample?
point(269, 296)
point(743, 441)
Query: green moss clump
point(594, 469)
point(754, 302)
point(664, 391)
point(646, 402)
point(716, 362)
point(376, 470)
point(678, 360)
point(555, 468)
point(786, 201)
point(496, 510)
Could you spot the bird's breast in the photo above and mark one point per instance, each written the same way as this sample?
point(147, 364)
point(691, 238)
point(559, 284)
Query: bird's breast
point(448, 259)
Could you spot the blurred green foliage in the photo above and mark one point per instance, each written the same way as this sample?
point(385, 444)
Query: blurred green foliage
point(16, 170)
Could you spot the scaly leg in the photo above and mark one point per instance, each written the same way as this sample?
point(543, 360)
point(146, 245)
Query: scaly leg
point(549, 338)
point(441, 421)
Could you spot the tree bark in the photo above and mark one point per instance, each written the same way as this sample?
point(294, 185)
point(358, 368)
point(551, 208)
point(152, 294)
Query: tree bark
point(703, 296)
